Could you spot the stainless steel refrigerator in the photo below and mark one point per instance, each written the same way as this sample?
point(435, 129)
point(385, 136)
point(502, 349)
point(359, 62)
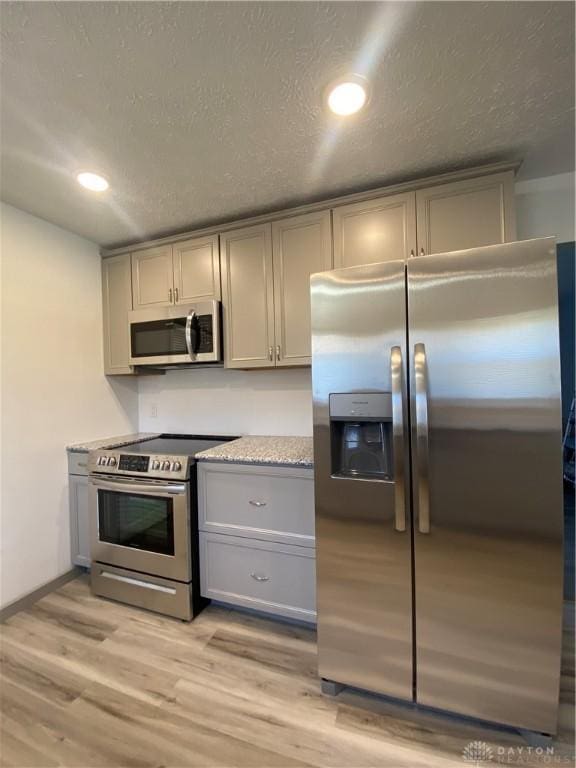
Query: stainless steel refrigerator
point(438, 477)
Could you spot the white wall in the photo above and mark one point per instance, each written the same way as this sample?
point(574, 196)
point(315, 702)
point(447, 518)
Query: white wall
point(53, 391)
point(227, 402)
point(545, 207)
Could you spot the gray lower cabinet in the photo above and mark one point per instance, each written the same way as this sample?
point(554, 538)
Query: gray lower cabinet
point(257, 542)
point(78, 502)
point(275, 578)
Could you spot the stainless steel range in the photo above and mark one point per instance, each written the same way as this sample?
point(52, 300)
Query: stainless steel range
point(143, 518)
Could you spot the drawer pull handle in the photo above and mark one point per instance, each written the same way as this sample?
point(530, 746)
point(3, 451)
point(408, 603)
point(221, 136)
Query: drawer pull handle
point(257, 503)
point(257, 577)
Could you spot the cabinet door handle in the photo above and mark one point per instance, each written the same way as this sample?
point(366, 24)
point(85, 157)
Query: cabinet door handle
point(270, 353)
point(258, 577)
point(176, 295)
point(422, 252)
point(278, 352)
point(411, 252)
point(257, 503)
point(170, 295)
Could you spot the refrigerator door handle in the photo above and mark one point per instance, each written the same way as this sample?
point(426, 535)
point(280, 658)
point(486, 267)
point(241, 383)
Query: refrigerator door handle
point(420, 376)
point(398, 439)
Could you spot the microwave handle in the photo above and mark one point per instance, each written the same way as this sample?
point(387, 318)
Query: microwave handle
point(188, 333)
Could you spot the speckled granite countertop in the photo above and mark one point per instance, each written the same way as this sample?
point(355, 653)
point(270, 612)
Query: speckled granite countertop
point(291, 451)
point(112, 442)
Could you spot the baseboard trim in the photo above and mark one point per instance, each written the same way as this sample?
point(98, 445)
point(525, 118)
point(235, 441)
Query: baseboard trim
point(25, 602)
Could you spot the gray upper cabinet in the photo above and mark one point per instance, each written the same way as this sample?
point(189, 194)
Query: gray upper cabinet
point(301, 246)
point(261, 271)
point(196, 269)
point(466, 214)
point(248, 297)
point(116, 303)
point(153, 277)
point(186, 271)
point(383, 229)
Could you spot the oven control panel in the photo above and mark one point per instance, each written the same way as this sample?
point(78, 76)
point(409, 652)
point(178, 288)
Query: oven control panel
point(110, 462)
point(134, 463)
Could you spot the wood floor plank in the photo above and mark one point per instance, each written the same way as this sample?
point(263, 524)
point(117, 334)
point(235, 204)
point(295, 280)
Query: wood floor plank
point(167, 736)
point(89, 683)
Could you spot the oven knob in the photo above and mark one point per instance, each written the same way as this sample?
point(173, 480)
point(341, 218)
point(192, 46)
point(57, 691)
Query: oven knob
point(112, 461)
point(155, 465)
point(176, 466)
point(165, 465)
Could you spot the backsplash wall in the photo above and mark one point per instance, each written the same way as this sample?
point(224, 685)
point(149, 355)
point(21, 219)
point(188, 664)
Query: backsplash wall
point(227, 402)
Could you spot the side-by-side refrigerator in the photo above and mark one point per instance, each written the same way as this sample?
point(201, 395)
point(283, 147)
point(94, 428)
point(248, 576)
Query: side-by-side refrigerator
point(438, 477)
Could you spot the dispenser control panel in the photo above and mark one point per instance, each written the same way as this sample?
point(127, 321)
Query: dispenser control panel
point(364, 406)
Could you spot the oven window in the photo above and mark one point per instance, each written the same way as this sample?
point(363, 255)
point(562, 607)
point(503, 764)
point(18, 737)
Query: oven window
point(140, 522)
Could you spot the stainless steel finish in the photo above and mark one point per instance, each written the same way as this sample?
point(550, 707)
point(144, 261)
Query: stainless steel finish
point(488, 577)
point(257, 503)
point(138, 582)
point(278, 352)
point(170, 295)
point(161, 468)
point(257, 577)
point(170, 567)
point(485, 427)
point(206, 307)
point(176, 295)
point(189, 320)
point(421, 427)
point(153, 593)
point(398, 438)
point(363, 564)
point(145, 487)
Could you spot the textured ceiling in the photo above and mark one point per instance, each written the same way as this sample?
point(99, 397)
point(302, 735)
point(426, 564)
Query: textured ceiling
point(202, 112)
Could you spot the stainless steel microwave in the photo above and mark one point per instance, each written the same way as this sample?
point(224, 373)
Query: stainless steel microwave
point(182, 334)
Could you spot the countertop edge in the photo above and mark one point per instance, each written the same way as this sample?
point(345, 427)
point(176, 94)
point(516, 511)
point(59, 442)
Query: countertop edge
point(254, 462)
point(112, 442)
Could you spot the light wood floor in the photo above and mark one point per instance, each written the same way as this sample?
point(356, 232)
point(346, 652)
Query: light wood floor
point(86, 682)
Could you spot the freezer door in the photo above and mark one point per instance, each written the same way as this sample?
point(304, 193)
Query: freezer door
point(487, 481)
point(363, 534)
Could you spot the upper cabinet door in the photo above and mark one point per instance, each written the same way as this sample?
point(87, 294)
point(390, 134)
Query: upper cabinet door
point(375, 230)
point(301, 246)
point(248, 297)
point(116, 303)
point(466, 214)
point(152, 277)
point(196, 269)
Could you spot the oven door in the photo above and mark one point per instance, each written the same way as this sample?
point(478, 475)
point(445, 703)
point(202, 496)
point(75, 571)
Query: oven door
point(181, 334)
point(142, 525)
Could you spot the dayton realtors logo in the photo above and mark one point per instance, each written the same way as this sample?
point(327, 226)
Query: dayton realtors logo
point(477, 753)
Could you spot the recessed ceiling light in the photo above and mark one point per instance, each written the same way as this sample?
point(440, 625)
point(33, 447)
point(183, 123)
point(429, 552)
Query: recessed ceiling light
point(347, 95)
point(92, 181)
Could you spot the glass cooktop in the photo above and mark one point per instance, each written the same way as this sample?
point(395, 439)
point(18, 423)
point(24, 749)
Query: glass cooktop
point(176, 445)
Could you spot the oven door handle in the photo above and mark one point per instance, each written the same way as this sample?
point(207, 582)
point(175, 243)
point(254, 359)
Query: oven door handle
point(145, 488)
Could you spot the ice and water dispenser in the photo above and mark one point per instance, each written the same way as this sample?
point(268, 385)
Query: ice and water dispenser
point(361, 435)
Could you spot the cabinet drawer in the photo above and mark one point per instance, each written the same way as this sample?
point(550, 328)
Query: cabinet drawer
point(276, 578)
point(77, 463)
point(269, 503)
